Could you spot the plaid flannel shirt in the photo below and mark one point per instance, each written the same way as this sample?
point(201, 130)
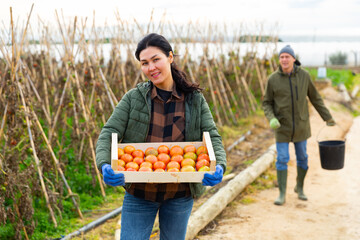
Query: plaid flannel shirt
point(167, 125)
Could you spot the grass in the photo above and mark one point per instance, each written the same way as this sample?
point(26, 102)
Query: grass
point(91, 204)
point(249, 162)
point(338, 76)
point(247, 200)
point(263, 182)
point(230, 134)
point(113, 200)
point(342, 76)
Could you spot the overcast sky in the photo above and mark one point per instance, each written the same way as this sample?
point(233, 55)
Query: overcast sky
point(294, 17)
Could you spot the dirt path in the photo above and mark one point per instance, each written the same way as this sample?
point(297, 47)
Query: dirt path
point(333, 209)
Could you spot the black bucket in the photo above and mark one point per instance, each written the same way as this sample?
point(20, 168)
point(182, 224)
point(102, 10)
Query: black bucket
point(332, 154)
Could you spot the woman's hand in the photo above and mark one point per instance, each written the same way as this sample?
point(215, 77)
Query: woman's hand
point(213, 179)
point(110, 178)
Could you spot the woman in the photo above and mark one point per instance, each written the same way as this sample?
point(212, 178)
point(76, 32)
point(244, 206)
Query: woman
point(168, 108)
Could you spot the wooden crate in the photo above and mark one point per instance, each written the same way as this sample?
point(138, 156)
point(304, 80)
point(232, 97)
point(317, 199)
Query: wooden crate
point(162, 177)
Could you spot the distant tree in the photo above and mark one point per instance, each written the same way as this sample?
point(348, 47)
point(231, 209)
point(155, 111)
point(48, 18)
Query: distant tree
point(338, 58)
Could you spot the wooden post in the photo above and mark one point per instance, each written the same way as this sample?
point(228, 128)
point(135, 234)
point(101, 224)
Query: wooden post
point(216, 204)
point(240, 91)
point(259, 77)
point(84, 112)
point(223, 92)
point(57, 163)
point(212, 92)
point(51, 132)
point(109, 93)
point(37, 161)
point(2, 126)
point(237, 107)
point(44, 107)
point(249, 94)
point(220, 92)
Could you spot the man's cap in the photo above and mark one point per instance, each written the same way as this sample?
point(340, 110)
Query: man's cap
point(289, 50)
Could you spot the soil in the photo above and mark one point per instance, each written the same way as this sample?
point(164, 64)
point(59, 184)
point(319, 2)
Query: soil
point(333, 207)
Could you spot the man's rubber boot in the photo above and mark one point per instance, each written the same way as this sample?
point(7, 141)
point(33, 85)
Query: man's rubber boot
point(299, 188)
point(282, 178)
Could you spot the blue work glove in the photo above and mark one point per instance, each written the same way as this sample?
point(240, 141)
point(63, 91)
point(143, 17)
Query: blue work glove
point(110, 178)
point(212, 180)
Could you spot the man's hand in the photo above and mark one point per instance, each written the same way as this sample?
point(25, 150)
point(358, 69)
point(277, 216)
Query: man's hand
point(110, 178)
point(213, 179)
point(331, 122)
point(274, 123)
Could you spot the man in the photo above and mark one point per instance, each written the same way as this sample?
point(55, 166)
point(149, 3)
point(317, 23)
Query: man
point(286, 107)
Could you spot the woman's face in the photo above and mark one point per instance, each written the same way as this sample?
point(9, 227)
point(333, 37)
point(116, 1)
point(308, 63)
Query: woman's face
point(156, 66)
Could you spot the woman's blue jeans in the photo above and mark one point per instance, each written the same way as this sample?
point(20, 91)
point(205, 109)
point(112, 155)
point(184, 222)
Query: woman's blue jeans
point(283, 156)
point(138, 216)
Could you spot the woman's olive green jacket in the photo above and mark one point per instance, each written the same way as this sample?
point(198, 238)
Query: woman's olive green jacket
point(131, 120)
point(286, 99)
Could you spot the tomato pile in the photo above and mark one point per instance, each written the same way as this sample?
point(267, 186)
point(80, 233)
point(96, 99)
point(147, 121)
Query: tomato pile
point(164, 159)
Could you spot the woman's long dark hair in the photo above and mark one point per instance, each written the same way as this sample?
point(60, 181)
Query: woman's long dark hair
point(160, 42)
